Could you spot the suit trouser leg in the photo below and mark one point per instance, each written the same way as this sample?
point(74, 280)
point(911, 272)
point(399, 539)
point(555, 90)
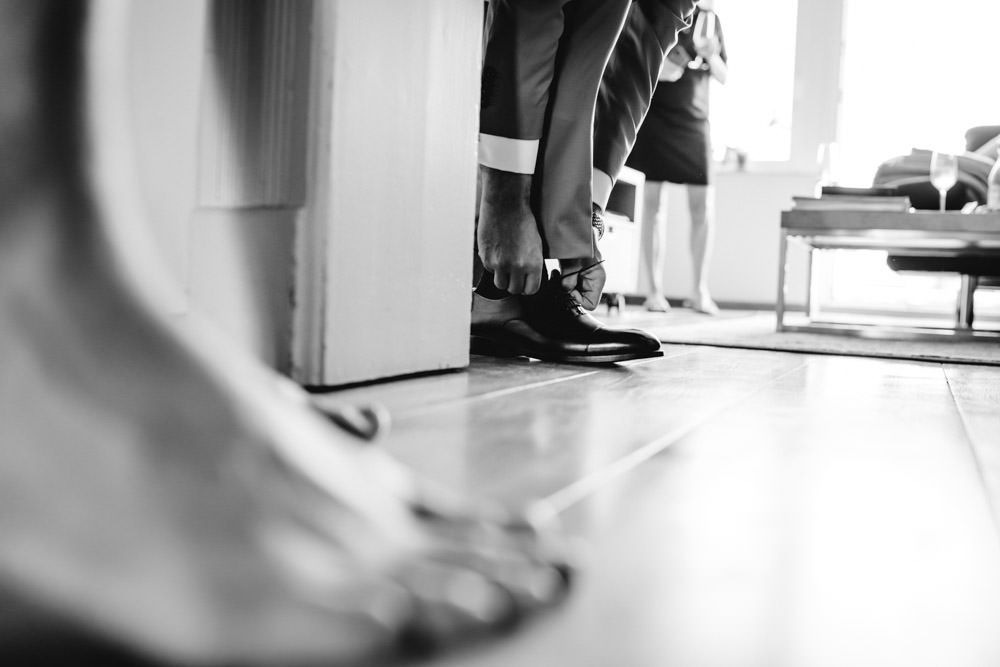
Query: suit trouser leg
point(520, 43)
point(628, 83)
point(564, 198)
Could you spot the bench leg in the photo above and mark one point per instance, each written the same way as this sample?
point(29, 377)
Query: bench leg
point(966, 296)
point(811, 294)
point(779, 305)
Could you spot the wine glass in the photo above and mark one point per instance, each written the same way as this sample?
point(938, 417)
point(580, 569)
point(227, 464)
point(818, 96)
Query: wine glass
point(703, 33)
point(944, 173)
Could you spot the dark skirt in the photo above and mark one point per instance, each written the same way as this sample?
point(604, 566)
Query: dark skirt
point(673, 149)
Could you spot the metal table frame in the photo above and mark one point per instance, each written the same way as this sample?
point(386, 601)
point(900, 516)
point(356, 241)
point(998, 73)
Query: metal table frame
point(919, 232)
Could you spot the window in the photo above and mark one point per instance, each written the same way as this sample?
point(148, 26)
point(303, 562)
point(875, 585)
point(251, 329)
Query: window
point(914, 77)
point(911, 77)
point(752, 112)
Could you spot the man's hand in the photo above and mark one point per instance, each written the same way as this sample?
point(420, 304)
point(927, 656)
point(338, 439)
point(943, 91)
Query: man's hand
point(584, 278)
point(507, 236)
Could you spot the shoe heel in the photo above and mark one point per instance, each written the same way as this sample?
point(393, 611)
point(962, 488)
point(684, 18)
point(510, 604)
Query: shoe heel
point(492, 348)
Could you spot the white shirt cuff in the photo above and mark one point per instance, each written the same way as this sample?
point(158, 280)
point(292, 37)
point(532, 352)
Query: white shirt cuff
point(600, 186)
point(513, 155)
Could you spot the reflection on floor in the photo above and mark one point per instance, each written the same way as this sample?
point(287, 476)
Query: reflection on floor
point(737, 507)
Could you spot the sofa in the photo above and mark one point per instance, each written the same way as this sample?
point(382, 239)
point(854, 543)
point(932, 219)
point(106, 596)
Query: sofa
point(976, 268)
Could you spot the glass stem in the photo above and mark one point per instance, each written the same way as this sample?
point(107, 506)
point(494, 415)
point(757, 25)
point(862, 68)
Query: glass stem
point(944, 194)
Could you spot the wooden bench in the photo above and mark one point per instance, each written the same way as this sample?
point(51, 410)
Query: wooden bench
point(913, 234)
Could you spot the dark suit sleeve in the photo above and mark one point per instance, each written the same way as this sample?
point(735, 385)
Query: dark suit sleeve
point(631, 75)
point(521, 40)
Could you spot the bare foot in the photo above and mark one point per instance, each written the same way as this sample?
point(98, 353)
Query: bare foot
point(703, 303)
point(656, 303)
point(173, 497)
point(368, 423)
point(163, 491)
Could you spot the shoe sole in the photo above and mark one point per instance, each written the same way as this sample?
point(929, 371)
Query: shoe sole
point(489, 347)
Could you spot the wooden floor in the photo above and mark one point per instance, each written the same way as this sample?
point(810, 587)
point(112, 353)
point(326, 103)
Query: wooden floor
point(737, 508)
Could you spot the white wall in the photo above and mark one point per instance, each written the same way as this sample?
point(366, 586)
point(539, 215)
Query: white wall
point(368, 250)
point(166, 60)
point(228, 256)
point(744, 265)
point(240, 275)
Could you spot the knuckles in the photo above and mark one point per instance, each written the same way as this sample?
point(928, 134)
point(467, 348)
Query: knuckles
point(495, 262)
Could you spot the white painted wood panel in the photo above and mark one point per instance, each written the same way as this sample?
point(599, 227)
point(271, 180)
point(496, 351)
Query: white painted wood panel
point(254, 110)
point(386, 247)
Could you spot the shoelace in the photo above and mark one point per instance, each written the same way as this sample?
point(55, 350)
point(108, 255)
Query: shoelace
point(566, 300)
point(560, 299)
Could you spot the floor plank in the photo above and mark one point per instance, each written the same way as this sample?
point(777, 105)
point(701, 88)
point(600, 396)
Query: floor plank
point(834, 516)
point(562, 440)
point(486, 378)
point(976, 390)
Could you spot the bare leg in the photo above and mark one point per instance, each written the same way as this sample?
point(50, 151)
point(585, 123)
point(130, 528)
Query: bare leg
point(653, 240)
point(700, 206)
point(165, 492)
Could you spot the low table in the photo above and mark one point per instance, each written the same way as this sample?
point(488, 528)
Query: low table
point(913, 233)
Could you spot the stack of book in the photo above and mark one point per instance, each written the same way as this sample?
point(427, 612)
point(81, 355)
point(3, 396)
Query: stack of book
point(839, 198)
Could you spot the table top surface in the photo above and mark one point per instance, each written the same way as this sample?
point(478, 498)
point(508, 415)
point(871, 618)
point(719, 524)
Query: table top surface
point(844, 220)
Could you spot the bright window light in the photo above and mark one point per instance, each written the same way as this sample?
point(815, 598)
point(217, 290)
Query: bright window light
point(752, 112)
point(914, 77)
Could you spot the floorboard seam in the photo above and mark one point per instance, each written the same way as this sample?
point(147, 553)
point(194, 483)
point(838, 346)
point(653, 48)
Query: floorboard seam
point(564, 498)
point(501, 393)
point(974, 453)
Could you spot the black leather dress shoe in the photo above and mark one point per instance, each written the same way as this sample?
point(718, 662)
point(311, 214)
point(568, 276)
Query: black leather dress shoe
point(554, 327)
